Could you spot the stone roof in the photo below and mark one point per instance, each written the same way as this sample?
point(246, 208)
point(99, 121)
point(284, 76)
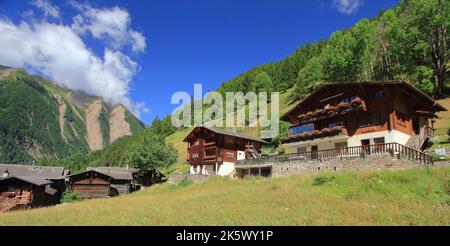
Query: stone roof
point(43, 172)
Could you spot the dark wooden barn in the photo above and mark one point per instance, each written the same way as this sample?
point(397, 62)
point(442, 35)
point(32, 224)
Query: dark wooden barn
point(90, 184)
point(24, 192)
point(56, 175)
point(126, 180)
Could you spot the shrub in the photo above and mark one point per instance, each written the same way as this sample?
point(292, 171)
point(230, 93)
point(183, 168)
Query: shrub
point(71, 197)
point(320, 180)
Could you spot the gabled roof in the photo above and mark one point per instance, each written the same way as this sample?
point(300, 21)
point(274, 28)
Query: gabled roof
point(43, 172)
point(88, 171)
point(28, 179)
point(401, 83)
point(223, 132)
point(116, 172)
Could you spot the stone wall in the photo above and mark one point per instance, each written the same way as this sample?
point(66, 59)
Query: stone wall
point(355, 164)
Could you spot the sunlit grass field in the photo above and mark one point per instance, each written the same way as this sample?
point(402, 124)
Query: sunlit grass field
point(412, 197)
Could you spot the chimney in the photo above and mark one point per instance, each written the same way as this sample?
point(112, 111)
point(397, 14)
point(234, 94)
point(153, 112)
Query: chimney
point(5, 174)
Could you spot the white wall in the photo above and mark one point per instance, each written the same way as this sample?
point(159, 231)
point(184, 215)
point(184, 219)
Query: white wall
point(226, 169)
point(393, 136)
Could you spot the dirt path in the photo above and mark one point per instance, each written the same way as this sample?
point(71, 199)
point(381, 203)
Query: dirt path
point(118, 127)
point(94, 131)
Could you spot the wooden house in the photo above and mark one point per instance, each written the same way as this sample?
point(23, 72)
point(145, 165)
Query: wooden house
point(213, 151)
point(125, 180)
point(23, 192)
point(56, 176)
point(350, 114)
point(91, 184)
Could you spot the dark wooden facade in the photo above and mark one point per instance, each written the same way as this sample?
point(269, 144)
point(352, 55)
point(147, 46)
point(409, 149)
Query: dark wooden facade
point(125, 180)
point(209, 148)
point(91, 184)
point(23, 192)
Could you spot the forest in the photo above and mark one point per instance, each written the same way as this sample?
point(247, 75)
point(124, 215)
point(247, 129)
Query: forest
point(410, 42)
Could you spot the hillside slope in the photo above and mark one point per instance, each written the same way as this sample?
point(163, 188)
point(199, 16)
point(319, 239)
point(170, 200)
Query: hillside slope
point(413, 197)
point(40, 119)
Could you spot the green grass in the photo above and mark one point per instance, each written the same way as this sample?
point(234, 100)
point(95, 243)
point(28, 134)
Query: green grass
point(441, 141)
point(443, 122)
point(412, 197)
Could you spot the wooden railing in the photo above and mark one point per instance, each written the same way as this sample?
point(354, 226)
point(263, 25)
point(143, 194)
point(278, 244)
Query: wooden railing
point(393, 149)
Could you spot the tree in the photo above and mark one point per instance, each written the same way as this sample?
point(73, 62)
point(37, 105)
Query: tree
point(338, 58)
point(150, 152)
point(309, 78)
point(432, 20)
point(263, 83)
point(164, 126)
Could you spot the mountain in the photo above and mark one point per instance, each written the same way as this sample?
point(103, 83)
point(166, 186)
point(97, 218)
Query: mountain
point(40, 119)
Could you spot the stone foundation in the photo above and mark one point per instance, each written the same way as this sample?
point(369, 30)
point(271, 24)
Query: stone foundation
point(344, 164)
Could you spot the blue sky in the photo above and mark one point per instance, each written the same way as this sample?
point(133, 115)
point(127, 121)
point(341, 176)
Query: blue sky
point(185, 42)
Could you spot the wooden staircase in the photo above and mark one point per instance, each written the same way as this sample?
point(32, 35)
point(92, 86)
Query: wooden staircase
point(417, 141)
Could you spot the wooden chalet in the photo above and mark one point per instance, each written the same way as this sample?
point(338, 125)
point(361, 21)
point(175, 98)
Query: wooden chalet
point(213, 151)
point(23, 192)
point(30, 180)
point(349, 114)
point(91, 184)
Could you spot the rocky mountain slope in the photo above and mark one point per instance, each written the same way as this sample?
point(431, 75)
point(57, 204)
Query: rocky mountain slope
point(41, 119)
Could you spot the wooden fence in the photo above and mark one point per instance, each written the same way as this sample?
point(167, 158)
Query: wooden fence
point(393, 149)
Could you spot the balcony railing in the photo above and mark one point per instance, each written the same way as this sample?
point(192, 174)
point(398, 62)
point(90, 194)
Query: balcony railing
point(341, 108)
point(393, 149)
point(326, 132)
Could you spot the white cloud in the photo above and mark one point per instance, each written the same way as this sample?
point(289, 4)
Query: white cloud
point(47, 8)
point(110, 24)
point(347, 6)
point(59, 52)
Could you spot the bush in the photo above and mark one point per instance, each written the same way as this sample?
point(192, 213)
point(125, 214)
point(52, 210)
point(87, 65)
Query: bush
point(320, 180)
point(71, 197)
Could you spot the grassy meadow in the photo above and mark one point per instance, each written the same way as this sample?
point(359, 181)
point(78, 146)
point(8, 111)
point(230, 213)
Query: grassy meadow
point(412, 197)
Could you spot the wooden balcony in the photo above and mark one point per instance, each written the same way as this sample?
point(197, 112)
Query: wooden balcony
point(332, 110)
point(326, 132)
point(393, 149)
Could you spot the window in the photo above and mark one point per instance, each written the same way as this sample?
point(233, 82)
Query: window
point(194, 155)
point(301, 150)
point(340, 145)
point(302, 129)
point(229, 154)
point(370, 120)
point(336, 123)
point(378, 140)
point(197, 142)
point(378, 94)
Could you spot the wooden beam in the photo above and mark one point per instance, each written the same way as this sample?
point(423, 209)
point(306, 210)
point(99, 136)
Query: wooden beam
point(332, 97)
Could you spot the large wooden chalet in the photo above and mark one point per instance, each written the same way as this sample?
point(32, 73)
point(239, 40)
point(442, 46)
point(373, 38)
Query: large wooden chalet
point(340, 115)
point(213, 151)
